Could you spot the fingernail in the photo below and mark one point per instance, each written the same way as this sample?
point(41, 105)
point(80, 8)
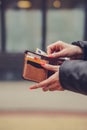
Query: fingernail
point(50, 56)
point(32, 88)
point(42, 63)
point(35, 58)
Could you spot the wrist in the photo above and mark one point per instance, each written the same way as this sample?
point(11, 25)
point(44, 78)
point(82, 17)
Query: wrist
point(79, 52)
point(80, 49)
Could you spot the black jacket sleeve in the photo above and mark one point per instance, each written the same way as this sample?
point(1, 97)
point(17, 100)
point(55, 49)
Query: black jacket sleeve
point(73, 74)
point(83, 45)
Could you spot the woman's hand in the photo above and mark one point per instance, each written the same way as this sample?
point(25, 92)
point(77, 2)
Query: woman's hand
point(62, 49)
point(52, 83)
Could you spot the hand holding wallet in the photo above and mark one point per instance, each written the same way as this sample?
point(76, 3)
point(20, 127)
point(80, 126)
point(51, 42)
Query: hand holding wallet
point(33, 71)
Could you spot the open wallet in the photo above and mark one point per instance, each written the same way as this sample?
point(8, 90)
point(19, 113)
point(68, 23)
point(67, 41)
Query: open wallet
point(33, 71)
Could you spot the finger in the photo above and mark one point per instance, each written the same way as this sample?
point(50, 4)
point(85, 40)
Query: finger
point(55, 89)
point(55, 47)
point(62, 53)
point(43, 83)
point(51, 87)
point(46, 82)
point(35, 86)
point(55, 86)
point(45, 89)
point(50, 67)
point(60, 89)
point(51, 48)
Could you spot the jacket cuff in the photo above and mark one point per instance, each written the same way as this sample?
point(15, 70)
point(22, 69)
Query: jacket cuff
point(73, 76)
point(64, 77)
point(83, 45)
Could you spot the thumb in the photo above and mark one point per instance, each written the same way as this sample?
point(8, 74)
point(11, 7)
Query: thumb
point(50, 67)
point(62, 53)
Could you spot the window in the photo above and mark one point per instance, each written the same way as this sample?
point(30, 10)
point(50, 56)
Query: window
point(66, 25)
point(65, 21)
point(23, 30)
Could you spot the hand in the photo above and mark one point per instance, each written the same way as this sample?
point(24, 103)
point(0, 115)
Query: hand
point(62, 49)
point(52, 83)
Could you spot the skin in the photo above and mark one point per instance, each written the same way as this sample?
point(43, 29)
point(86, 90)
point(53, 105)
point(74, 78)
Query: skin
point(52, 83)
point(57, 49)
point(63, 49)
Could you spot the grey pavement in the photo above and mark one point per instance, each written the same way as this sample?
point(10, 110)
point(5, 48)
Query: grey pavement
point(17, 96)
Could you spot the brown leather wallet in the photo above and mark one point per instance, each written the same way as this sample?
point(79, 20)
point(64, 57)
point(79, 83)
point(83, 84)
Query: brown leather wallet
point(33, 70)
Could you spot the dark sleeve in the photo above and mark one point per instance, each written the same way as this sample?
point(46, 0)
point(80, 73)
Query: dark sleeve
point(83, 45)
point(73, 76)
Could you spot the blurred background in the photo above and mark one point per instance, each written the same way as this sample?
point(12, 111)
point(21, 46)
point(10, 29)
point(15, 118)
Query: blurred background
point(26, 25)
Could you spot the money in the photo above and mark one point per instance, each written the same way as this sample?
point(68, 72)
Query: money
point(39, 51)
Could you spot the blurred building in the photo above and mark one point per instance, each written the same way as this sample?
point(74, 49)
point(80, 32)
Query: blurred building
point(28, 24)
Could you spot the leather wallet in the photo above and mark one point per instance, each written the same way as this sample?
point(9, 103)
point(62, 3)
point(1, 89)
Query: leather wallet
point(33, 71)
